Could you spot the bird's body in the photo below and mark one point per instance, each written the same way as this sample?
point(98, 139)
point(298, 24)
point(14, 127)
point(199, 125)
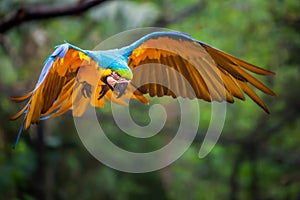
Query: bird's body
point(160, 63)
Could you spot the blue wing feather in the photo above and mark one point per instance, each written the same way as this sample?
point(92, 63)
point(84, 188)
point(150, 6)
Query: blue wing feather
point(59, 52)
point(20, 132)
point(133, 46)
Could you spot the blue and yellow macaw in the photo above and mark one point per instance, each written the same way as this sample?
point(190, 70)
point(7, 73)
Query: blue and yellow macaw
point(73, 78)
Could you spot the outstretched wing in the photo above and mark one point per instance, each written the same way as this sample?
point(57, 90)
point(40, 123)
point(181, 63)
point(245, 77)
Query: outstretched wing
point(192, 69)
point(70, 79)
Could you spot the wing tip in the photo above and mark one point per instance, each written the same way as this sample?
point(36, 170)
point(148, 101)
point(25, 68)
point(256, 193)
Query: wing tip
point(271, 73)
point(265, 108)
point(272, 93)
point(261, 104)
point(262, 71)
point(21, 98)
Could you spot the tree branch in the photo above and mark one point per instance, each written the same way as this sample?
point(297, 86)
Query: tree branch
point(44, 12)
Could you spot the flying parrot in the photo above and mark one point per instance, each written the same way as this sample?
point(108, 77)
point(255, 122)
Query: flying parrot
point(73, 78)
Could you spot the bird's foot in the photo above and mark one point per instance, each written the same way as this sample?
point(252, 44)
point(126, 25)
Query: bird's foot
point(116, 83)
point(103, 91)
point(86, 89)
point(121, 87)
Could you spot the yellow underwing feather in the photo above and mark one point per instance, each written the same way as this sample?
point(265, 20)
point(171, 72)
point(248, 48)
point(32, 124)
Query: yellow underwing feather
point(250, 92)
point(20, 113)
point(62, 98)
point(238, 61)
point(232, 85)
point(22, 98)
point(212, 74)
point(54, 95)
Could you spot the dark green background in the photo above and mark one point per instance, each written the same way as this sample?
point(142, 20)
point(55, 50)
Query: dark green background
point(257, 156)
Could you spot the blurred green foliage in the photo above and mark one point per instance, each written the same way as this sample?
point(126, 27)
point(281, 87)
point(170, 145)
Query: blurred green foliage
point(257, 156)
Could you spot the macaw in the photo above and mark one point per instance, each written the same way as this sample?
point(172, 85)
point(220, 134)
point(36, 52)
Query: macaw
point(73, 78)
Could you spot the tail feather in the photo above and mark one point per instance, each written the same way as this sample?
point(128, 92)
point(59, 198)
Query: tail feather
point(19, 133)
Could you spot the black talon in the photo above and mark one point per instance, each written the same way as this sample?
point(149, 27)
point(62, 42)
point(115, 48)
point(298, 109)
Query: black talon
point(86, 89)
point(121, 88)
point(104, 90)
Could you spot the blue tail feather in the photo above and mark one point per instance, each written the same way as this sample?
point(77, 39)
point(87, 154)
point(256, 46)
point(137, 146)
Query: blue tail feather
point(19, 133)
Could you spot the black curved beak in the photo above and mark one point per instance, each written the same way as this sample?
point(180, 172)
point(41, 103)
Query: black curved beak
point(121, 88)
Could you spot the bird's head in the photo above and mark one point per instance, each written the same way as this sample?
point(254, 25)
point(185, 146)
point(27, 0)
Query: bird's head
point(117, 81)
